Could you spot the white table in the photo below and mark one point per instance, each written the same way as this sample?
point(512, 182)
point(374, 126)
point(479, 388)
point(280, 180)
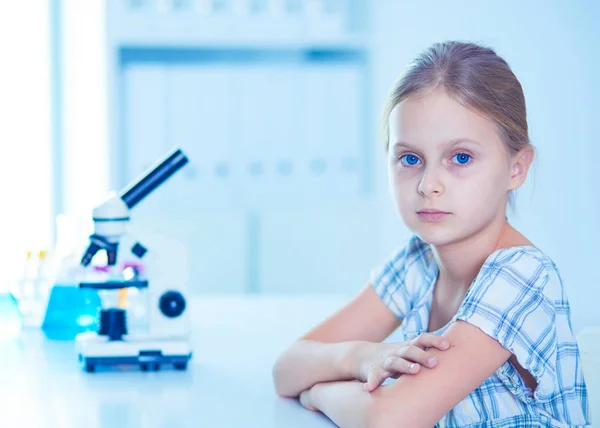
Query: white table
point(228, 383)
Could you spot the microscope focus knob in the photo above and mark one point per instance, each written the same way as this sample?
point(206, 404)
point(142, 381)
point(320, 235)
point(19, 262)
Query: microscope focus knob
point(172, 304)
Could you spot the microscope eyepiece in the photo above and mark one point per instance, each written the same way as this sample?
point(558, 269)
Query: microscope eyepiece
point(157, 176)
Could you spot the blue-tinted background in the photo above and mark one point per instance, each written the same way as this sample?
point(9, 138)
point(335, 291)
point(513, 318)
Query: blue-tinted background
point(277, 105)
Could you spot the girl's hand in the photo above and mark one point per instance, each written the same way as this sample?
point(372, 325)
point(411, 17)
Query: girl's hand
point(378, 361)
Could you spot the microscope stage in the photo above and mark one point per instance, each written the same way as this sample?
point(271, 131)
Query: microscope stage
point(147, 352)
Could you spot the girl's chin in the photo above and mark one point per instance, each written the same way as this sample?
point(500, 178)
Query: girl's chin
point(435, 234)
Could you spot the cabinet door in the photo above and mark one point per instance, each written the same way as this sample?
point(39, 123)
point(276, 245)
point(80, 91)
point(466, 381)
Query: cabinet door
point(200, 115)
point(201, 101)
point(268, 122)
point(332, 131)
point(275, 170)
point(189, 107)
point(319, 240)
point(145, 125)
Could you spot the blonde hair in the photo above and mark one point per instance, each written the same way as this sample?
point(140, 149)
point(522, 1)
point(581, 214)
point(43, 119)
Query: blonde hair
point(475, 76)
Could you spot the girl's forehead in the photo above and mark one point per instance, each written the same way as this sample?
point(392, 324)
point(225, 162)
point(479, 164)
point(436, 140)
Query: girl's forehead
point(438, 120)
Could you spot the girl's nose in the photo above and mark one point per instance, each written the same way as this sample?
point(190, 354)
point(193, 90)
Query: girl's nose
point(431, 184)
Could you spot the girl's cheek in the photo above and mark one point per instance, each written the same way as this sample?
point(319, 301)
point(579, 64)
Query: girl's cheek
point(463, 171)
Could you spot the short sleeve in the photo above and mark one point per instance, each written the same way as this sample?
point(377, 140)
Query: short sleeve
point(394, 279)
point(509, 302)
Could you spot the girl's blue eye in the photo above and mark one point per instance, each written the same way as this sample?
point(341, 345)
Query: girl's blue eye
point(409, 160)
point(462, 158)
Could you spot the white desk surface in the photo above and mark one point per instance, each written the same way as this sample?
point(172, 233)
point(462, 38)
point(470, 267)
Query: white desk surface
point(228, 383)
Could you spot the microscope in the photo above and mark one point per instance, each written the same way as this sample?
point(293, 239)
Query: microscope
point(160, 275)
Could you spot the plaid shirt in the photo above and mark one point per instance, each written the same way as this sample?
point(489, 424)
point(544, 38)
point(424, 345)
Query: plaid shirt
point(519, 300)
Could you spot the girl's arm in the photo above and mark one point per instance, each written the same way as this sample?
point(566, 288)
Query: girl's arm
point(346, 403)
point(308, 362)
point(322, 354)
point(421, 400)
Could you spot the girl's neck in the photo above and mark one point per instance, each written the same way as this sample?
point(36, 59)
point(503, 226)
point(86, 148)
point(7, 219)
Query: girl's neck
point(460, 262)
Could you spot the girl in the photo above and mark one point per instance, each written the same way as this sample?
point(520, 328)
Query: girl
point(485, 321)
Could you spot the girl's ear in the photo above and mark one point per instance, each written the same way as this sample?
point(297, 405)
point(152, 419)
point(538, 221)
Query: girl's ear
point(520, 165)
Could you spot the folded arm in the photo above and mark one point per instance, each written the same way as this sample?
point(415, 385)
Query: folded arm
point(419, 400)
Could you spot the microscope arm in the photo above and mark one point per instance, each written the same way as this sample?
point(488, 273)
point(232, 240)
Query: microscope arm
point(165, 258)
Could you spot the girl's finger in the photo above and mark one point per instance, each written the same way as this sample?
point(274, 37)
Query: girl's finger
point(414, 354)
point(376, 378)
point(428, 340)
point(401, 366)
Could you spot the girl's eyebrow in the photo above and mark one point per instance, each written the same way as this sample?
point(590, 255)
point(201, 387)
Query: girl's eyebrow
point(452, 142)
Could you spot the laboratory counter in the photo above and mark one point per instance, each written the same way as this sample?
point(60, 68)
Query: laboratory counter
point(228, 383)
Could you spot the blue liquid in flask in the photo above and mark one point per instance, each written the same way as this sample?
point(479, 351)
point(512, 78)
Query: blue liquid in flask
point(71, 310)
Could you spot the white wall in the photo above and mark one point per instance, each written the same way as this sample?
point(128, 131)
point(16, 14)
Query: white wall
point(25, 133)
point(84, 101)
point(554, 49)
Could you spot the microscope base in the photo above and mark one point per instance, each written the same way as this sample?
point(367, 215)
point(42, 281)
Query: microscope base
point(149, 353)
